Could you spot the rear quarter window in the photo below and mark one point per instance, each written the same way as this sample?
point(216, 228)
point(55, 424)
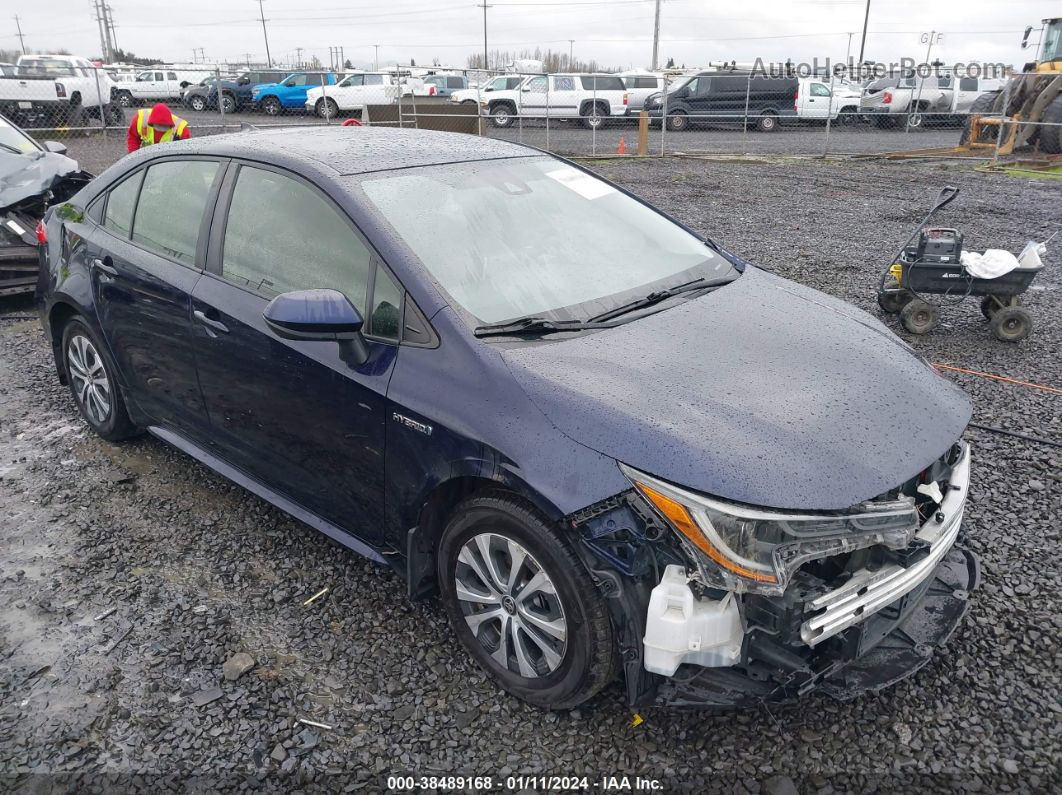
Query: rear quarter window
point(602, 83)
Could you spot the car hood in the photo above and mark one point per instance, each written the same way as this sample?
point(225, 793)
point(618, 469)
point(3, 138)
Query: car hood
point(762, 392)
point(23, 176)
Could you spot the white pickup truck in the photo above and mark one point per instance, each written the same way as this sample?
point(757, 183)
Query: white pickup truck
point(158, 84)
point(594, 98)
point(910, 101)
point(52, 90)
point(353, 93)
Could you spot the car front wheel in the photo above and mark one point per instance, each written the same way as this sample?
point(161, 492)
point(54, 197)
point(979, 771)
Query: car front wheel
point(523, 605)
point(198, 103)
point(91, 378)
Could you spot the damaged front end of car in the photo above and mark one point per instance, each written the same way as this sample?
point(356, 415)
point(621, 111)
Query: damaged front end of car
point(718, 604)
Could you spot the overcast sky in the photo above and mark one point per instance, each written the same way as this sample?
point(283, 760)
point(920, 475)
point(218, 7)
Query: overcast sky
point(615, 32)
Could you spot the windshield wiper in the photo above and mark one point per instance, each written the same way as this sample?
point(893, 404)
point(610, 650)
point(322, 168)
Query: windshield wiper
point(11, 148)
point(534, 325)
point(657, 296)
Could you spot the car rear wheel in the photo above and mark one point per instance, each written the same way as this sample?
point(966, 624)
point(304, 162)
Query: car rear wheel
point(228, 103)
point(523, 605)
point(125, 99)
point(768, 122)
point(91, 377)
point(594, 117)
point(198, 103)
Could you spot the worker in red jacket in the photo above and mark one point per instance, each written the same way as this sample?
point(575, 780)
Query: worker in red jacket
point(157, 126)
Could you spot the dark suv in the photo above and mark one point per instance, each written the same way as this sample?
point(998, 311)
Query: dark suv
point(726, 99)
point(235, 93)
point(607, 443)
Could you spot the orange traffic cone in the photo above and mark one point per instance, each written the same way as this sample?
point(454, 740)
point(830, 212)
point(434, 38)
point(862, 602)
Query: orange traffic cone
point(622, 148)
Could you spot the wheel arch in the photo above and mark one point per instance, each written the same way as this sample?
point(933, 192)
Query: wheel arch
point(59, 315)
point(587, 104)
point(436, 509)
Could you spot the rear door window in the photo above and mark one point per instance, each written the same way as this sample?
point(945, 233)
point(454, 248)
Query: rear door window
point(564, 84)
point(601, 83)
point(120, 204)
point(170, 209)
point(967, 84)
point(282, 235)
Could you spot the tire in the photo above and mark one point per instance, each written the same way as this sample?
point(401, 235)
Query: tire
point(100, 400)
point(989, 306)
point(271, 106)
point(125, 99)
point(556, 668)
point(884, 122)
point(919, 317)
point(502, 116)
point(198, 103)
point(981, 105)
point(228, 103)
point(326, 108)
point(1051, 136)
point(1011, 324)
point(916, 119)
point(115, 114)
point(678, 121)
point(849, 114)
point(767, 122)
point(595, 117)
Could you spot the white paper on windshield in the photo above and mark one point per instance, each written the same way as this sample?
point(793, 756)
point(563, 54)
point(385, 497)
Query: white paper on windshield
point(583, 184)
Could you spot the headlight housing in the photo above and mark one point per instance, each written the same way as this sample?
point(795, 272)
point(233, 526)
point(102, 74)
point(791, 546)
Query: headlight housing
point(743, 548)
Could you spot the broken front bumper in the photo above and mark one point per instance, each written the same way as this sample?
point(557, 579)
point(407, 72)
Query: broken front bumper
point(875, 629)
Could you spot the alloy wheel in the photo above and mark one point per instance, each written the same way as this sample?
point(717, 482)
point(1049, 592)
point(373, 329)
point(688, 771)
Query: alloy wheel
point(511, 605)
point(92, 387)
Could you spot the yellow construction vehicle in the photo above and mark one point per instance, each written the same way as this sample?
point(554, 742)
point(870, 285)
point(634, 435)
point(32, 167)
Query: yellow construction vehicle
point(1028, 111)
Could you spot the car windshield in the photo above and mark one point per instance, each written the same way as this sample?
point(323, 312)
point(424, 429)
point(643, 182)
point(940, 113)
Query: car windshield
point(512, 238)
point(12, 138)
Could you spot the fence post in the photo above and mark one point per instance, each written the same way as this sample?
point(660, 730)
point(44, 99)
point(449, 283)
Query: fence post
point(1003, 119)
point(99, 98)
point(745, 119)
point(643, 133)
point(547, 113)
point(663, 116)
point(593, 110)
point(220, 96)
point(829, 115)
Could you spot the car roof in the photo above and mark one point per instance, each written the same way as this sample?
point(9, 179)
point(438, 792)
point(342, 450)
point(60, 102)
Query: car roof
point(353, 150)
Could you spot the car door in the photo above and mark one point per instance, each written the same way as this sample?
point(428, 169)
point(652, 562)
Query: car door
point(298, 416)
point(533, 96)
point(815, 101)
point(349, 95)
point(563, 97)
point(145, 258)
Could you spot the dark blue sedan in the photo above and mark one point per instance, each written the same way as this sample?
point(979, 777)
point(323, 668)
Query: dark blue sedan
point(612, 447)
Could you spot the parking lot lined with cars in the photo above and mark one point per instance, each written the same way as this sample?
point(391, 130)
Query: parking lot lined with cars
point(208, 570)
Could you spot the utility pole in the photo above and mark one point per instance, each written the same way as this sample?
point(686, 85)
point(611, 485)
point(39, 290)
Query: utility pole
point(656, 37)
point(97, 5)
point(110, 28)
point(298, 57)
point(21, 38)
point(571, 47)
point(484, 6)
point(376, 59)
point(863, 41)
point(265, 35)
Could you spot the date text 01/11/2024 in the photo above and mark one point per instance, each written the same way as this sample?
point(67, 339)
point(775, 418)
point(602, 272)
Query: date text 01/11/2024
point(521, 783)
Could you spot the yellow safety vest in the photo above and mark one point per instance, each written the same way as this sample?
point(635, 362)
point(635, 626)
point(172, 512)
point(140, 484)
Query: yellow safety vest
point(147, 133)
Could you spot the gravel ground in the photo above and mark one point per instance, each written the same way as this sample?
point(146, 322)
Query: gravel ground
point(98, 151)
point(129, 575)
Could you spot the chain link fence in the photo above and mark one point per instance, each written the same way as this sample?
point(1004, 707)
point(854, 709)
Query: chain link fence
point(716, 112)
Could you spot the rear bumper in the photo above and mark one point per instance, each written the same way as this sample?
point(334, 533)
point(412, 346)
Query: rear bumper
point(882, 650)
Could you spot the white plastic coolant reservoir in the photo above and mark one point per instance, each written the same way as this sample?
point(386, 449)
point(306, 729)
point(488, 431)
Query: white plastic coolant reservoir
point(683, 629)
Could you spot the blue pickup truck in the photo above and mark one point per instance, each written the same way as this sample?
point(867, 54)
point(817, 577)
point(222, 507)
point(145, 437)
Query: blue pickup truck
point(289, 93)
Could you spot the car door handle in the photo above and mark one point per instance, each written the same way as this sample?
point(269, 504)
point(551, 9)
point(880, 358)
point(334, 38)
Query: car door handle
point(216, 325)
point(104, 267)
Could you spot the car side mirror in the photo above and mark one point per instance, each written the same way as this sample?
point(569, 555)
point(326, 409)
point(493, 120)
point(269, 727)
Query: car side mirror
point(320, 315)
point(526, 89)
point(244, 81)
point(56, 147)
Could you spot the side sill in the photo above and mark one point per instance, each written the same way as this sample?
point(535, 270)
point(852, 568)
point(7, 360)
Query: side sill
point(255, 487)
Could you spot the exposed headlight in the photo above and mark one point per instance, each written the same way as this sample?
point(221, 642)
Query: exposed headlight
point(743, 548)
